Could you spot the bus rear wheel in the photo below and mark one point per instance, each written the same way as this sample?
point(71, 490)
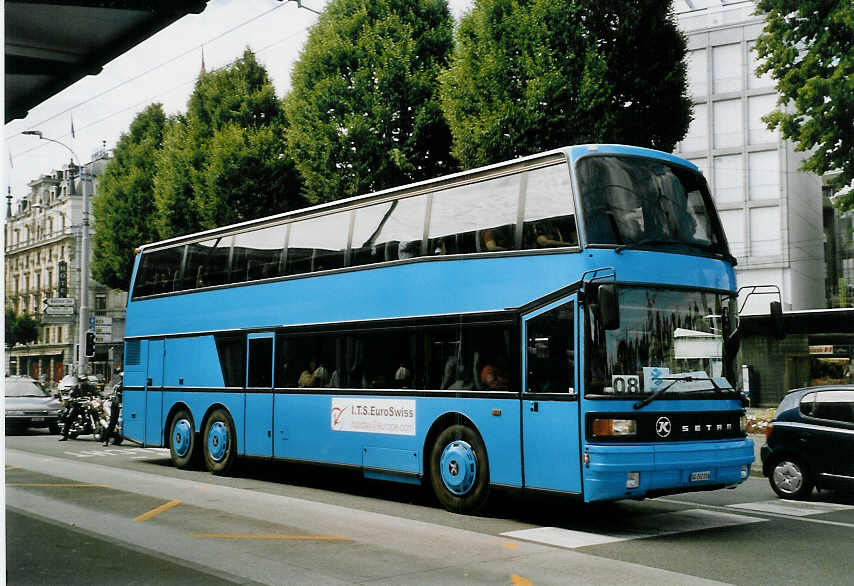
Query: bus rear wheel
point(182, 440)
point(459, 470)
point(219, 442)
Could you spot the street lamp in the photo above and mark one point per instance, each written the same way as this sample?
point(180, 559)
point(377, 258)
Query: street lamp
point(84, 255)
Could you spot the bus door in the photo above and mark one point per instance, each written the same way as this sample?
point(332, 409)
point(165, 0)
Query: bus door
point(258, 421)
point(154, 393)
point(550, 408)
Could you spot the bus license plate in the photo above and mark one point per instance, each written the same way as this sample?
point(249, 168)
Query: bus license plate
point(704, 475)
point(38, 419)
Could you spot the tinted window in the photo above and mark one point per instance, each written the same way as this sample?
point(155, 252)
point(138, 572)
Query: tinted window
point(260, 363)
point(318, 244)
point(551, 351)
point(206, 263)
point(159, 272)
point(232, 357)
point(549, 219)
point(389, 231)
point(480, 217)
point(631, 200)
point(835, 405)
point(257, 254)
point(471, 357)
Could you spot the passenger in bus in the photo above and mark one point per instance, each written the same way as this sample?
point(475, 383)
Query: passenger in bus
point(401, 378)
point(408, 249)
point(493, 377)
point(495, 239)
point(314, 376)
point(548, 234)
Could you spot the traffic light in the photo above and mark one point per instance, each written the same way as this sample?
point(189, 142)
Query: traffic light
point(90, 344)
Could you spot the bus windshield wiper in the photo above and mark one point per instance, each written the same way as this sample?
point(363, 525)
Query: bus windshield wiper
point(644, 242)
point(673, 380)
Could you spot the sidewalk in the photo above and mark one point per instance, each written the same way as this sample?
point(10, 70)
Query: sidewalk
point(758, 442)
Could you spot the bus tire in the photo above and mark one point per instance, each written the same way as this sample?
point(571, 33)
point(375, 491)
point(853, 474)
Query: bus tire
point(219, 442)
point(182, 441)
point(459, 470)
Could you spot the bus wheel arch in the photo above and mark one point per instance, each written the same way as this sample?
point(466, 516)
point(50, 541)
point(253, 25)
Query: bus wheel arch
point(181, 437)
point(219, 440)
point(456, 464)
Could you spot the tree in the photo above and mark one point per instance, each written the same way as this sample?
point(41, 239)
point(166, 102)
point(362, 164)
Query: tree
point(226, 159)
point(808, 46)
point(20, 328)
point(531, 75)
point(124, 212)
point(364, 109)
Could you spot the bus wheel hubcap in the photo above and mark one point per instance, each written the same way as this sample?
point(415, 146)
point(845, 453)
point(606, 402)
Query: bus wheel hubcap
point(218, 441)
point(459, 467)
point(181, 437)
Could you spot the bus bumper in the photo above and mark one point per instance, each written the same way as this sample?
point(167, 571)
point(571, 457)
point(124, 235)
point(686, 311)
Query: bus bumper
point(612, 471)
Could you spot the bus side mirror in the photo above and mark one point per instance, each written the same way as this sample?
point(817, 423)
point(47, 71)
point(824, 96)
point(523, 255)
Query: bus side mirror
point(777, 325)
point(609, 307)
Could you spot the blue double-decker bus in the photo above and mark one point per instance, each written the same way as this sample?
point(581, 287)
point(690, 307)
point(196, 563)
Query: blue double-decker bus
point(564, 322)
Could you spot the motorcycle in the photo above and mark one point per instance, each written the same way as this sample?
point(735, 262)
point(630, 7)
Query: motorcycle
point(88, 418)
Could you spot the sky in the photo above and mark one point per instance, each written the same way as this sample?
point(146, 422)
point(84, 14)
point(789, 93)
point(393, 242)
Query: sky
point(162, 69)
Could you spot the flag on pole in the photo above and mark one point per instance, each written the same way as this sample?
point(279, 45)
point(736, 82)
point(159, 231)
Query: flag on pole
point(72, 127)
point(202, 72)
point(11, 164)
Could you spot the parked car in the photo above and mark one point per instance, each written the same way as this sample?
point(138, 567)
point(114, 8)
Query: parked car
point(810, 441)
point(29, 405)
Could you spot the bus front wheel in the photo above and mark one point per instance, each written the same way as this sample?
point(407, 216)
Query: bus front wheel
point(459, 470)
point(182, 440)
point(219, 442)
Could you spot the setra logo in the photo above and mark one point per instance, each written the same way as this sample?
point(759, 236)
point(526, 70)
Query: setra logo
point(663, 426)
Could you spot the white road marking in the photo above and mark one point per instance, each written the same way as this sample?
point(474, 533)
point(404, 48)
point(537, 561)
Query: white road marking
point(648, 526)
point(791, 508)
point(132, 453)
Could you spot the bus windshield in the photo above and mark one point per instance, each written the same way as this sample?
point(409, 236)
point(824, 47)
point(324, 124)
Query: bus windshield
point(634, 202)
point(665, 336)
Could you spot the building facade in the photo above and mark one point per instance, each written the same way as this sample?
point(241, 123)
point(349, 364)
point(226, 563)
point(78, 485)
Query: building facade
point(778, 220)
point(771, 211)
point(42, 261)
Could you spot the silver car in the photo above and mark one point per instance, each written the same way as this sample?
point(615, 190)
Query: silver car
point(29, 405)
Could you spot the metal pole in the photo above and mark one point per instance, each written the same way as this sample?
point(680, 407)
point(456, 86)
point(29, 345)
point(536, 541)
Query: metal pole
point(84, 274)
point(83, 324)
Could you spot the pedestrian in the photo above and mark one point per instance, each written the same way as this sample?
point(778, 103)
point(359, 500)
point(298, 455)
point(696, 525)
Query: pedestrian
point(115, 408)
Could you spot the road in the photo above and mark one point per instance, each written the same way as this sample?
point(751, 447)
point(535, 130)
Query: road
point(78, 513)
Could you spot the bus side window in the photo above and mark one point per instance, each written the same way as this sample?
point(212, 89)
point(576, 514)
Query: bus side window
point(549, 216)
point(551, 351)
point(478, 217)
point(388, 231)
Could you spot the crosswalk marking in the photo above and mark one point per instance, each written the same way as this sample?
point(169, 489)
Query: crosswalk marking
point(640, 528)
point(791, 508)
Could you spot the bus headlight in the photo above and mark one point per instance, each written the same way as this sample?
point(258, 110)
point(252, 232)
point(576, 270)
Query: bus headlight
point(614, 427)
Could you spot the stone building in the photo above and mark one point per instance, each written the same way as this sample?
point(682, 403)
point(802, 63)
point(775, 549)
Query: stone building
point(41, 246)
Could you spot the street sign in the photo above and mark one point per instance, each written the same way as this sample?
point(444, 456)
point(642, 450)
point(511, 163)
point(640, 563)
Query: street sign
point(56, 319)
point(60, 301)
point(101, 320)
point(92, 320)
point(61, 310)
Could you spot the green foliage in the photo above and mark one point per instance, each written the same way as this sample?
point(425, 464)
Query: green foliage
point(226, 160)
point(531, 75)
point(808, 46)
point(20, 329)
point(364, 108)
point(124, 211)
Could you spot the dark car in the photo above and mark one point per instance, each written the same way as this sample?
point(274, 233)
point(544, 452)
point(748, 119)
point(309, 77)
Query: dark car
point(29, 405)
point(810, 442)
